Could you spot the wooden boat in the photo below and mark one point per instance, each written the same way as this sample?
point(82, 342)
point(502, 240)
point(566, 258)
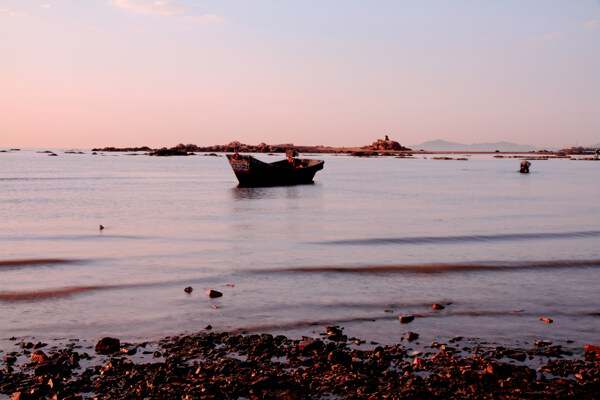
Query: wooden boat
point(291, 171)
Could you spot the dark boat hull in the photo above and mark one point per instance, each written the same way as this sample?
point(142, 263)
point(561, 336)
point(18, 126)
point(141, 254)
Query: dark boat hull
point(252, 172)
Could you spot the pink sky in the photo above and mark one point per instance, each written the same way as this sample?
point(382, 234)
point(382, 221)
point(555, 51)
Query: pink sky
point(158, 73)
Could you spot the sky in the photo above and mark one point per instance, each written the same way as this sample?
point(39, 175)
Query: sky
point(95, 73)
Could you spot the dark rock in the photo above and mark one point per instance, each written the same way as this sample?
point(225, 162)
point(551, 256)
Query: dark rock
point(339, 357)
point(214, 293)
point(335, 334)
point(410, 336)
point(188, 289)
point(516, 355)
point(51, 367)
point(164, 152)
point(405, 319)
point(108, 345)
point(123, 149)
point(9, 360)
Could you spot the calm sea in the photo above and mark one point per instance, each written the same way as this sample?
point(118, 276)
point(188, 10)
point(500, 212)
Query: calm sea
point(371, 239)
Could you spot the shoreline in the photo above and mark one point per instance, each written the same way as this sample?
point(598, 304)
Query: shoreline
point(229, 365)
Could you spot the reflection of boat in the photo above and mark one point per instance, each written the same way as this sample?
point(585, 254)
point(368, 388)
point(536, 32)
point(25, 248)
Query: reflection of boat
point(292, 171)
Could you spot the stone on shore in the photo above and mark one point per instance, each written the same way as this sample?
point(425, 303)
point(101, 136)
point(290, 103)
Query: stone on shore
point(108, 345)
point(188, 289)
point(38, 356)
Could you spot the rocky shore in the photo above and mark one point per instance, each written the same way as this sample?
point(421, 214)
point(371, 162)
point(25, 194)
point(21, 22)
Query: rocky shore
point(232, 366)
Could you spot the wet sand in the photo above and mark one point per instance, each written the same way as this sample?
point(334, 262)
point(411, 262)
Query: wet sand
point(231, 366)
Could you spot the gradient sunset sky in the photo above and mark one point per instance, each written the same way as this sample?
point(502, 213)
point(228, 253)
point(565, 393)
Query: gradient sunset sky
point(97, 73)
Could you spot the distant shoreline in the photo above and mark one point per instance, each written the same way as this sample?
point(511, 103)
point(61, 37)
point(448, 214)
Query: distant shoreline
point(369, 150)
point(364, 151)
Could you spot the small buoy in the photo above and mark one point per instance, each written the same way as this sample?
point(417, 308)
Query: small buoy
point(438, 307)
point(101, 227)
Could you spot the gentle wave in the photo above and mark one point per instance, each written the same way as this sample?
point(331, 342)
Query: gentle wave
point(40, 294)
point(33, 261)
point(44, 294)
point(439, 268)
point(92, 236)
point(462, 238)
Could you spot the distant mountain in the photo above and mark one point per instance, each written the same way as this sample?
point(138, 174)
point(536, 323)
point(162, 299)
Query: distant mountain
point(442, 145)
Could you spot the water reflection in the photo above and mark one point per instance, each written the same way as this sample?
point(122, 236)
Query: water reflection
point(240, 193)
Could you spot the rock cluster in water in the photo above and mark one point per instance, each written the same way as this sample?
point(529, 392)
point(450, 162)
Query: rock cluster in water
point(385, 144)
point(189, 149)
point(231, 366)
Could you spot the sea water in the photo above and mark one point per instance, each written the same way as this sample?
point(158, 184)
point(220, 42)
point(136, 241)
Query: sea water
point(370, 240)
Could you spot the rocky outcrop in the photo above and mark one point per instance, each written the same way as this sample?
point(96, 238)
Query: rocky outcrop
point(385, 144)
